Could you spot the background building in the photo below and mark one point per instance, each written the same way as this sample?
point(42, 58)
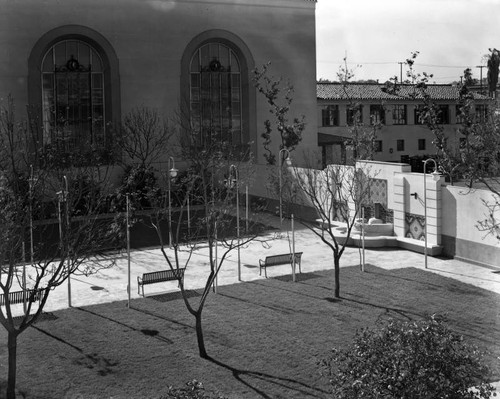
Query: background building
point(402, 134)
point(81, 65)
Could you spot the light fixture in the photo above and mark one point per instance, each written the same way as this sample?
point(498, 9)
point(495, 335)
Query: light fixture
point(173, 173)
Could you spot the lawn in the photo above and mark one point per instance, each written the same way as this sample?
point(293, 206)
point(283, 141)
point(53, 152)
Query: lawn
point(265, 336)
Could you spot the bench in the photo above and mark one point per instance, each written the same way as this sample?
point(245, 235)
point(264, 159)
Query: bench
point(159, 277)
point(21, 296)
point(275, 260)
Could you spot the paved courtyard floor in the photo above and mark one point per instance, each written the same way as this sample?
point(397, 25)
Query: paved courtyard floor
point(110, 285)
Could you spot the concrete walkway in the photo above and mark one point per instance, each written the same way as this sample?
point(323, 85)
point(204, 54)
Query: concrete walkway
point(111, 284)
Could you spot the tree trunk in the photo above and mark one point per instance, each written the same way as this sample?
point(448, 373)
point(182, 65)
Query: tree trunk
point(337, 276)
point(199, 336)
point(11, 382)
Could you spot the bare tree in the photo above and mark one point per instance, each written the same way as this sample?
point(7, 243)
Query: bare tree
point(360, 139)
point(337, 193)
point(279, 98)
point(477, 160)
point(278, 94)
point(52, 214)
point(144, 136)
point(202, 203)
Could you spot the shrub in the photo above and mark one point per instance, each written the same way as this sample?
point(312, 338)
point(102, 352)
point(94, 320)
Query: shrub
point(194, 390)
point(416, 359)
point(141, 184)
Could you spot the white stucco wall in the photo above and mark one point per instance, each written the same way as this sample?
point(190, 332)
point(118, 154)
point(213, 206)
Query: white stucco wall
point(462, 209)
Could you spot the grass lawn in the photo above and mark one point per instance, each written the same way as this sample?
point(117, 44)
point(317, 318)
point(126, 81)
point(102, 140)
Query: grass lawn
point(265, 336)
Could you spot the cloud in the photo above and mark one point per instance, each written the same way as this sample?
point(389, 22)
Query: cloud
point(162, 5)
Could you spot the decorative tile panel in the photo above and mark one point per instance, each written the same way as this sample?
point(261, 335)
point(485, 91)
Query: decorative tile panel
point(414, 227)
point(378, 191)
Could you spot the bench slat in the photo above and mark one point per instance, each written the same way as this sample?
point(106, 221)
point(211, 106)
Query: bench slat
point(16, 297)
point(159, 277)
point(281, 259)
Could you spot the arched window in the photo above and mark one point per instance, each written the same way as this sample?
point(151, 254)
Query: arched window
point(73, 97)
point(218, 100)
point(215, 95)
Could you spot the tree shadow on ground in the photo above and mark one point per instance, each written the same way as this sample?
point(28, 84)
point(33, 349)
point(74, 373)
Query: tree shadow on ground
point(100, 364)
point(142, 331)
point(288, 383)
point(173, 296)
point(44, 316)
point(280, 309)
point(299, 277)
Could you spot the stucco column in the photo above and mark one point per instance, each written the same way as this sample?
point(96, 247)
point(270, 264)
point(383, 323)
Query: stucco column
point(399, 205)
point(434, 208)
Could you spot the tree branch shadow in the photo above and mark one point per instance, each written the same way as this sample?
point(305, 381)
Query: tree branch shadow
point(102, 365)
point(151, 333)
point(287, 383)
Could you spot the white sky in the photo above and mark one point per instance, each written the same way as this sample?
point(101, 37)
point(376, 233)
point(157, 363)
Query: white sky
point(377, 34)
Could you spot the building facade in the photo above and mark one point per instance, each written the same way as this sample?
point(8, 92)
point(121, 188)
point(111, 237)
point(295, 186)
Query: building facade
point(81, 65)
point(402, 135)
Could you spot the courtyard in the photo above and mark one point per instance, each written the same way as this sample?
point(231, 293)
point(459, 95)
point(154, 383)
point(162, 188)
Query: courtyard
point(265, 336)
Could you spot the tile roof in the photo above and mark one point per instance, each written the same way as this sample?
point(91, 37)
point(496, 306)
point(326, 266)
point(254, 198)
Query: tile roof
point(376, 91)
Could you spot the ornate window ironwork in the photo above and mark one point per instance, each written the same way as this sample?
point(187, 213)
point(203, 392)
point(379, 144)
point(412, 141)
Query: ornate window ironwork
point(215, 95)
point(73, 98)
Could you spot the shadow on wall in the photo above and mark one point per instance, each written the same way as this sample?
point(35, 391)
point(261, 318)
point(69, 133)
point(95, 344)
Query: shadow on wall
point(449, 219)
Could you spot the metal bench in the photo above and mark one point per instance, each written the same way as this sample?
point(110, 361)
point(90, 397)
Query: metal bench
point(21, 296)
point(275, 260)
point(159, 277)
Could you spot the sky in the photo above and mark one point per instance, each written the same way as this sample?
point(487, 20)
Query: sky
point(375, 35)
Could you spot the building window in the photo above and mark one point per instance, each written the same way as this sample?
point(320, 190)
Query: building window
point(215, 95)
point(421, 144)
point(354, 114)
point(377, 114)
point(400, 145)
point(378, 145)
point(399, 115)
point(419, 115)
point(330, 115)
point(74, 95)
point(481, 113)
point(443, 114)
point(459, 114)
point(73, 98)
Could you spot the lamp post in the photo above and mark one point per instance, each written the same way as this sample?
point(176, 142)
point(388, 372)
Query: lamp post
point(31, 183)
point(280, 162)
point(172, 174)
point(294, 278)
point(435, 176)
point(63, 198)
point(234, 183)
point(128, 250)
